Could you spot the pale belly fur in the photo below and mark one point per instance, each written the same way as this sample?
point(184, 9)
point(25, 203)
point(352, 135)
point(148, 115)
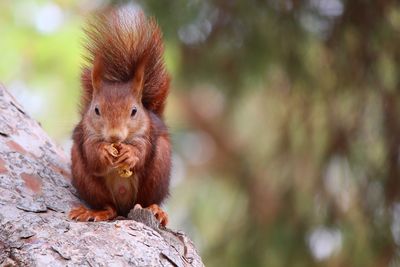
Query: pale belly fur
point(123, 190)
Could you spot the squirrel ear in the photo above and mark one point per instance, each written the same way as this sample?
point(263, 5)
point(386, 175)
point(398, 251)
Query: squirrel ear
point(138, 79)
point(97, 73)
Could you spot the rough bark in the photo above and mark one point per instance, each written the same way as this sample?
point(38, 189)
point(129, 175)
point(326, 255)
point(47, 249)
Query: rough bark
point(36, 194)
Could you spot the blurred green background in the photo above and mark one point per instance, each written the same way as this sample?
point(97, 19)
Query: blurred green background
point(284, 116)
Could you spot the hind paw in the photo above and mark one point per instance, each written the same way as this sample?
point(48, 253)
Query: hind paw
point(160, 215)
point(83, 214)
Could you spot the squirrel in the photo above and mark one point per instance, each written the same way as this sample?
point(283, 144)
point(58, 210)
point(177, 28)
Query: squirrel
point(125, 86)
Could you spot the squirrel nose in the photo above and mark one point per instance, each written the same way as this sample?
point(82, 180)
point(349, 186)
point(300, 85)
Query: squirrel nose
point(116, 135)
point(115, 138)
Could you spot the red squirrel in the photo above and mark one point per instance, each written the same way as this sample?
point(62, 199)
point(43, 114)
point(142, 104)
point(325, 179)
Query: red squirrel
point(125, 87)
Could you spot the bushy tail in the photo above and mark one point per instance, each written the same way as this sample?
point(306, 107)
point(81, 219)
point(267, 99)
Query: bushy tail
point(120, 39)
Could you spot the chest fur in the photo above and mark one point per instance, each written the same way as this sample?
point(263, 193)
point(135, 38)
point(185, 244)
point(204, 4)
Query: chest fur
point(123, 191)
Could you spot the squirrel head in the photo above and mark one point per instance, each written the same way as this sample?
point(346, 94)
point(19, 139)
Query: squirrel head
point(116, 113)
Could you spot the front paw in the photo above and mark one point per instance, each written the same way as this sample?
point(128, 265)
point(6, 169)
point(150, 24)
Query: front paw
point(127, 156)
point(106, 156)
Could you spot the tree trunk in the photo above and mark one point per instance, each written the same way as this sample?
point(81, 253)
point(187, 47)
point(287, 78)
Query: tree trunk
point(36, 194)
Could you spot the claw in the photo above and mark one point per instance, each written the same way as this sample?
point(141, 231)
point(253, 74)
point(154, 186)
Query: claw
point(109, 160)
point(83, 214)
point(160, 215)
point(122, 159)
point(112, 150)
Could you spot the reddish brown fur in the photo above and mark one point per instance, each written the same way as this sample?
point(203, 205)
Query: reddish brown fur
point(122, 40)
point(121, 55)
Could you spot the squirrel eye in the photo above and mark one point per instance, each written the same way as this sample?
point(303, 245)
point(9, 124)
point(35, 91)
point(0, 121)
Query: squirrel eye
point(96, 110)
point(133, 113)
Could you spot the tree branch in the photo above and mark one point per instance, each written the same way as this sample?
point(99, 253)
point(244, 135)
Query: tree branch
point(36, 194)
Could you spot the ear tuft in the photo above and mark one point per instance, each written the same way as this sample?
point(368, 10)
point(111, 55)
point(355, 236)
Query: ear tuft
point(97, 73)
point(139, 77)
